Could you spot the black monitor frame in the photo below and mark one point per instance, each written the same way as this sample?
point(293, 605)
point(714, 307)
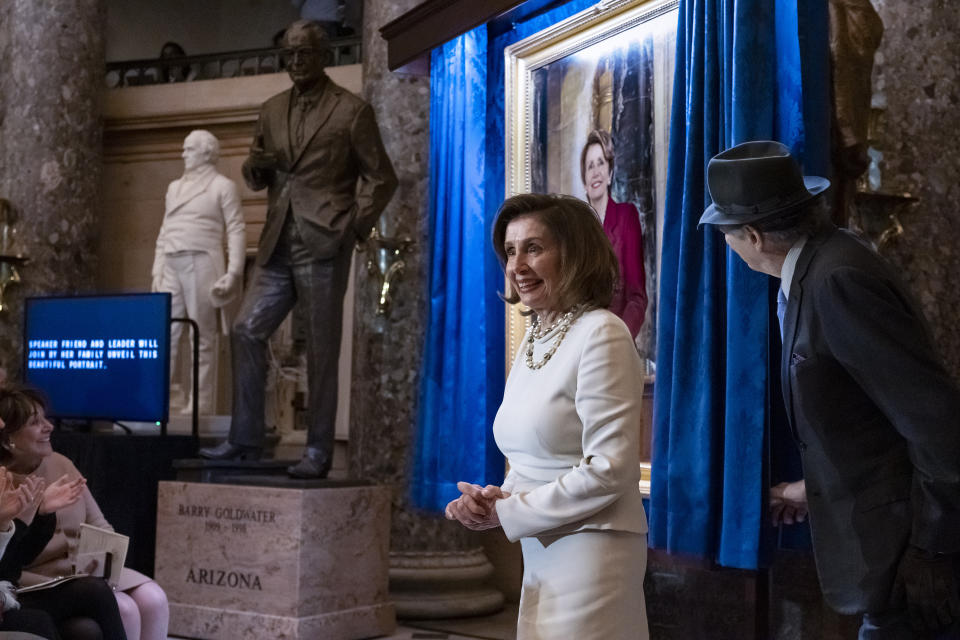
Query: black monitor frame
point(164, 383)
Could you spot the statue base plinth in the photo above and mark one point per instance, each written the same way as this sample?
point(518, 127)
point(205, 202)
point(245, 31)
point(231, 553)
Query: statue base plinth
point(297, 560)
point(203, 470)
point(206, 622)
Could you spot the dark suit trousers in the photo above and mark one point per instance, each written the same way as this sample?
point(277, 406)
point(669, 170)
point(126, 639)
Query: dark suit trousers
point(34, 621)
point(894, 624)
point(82, 609)
point(291, 274)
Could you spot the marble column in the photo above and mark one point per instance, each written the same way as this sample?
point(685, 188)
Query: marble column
point(916, 87)
point(388, 350)
point(51, 81)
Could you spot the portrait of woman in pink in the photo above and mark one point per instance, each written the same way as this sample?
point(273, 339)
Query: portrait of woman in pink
point(621, 224)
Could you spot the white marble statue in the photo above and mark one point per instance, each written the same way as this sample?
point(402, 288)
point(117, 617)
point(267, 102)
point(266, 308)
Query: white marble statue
point(202, 208)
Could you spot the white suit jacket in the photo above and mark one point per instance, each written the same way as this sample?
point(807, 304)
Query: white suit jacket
point(571, 431)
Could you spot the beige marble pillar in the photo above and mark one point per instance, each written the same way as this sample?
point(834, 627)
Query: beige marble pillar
point(387, 356)
point(51, 81)
point(388, 351)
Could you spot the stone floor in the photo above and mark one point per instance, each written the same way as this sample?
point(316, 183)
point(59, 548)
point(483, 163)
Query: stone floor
point(500, 626)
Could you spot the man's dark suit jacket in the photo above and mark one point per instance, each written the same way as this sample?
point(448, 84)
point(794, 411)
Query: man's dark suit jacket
point(877, 419)
point(336, 185)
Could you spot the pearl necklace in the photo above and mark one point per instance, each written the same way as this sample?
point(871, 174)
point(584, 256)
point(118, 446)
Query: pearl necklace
point(539, 330)
point(562, 325)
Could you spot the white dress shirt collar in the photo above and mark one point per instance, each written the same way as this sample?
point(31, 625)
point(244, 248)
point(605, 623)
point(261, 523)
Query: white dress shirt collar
point(790, 265)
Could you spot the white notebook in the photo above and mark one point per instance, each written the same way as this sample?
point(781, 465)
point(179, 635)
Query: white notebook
point(94, 544)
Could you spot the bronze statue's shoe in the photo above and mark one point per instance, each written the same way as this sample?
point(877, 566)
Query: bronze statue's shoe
point(228, 451)
point(315, 465)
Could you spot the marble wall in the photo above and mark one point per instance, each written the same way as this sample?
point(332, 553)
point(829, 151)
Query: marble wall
point(918, 131)
point(50, 148)
point(387, 351)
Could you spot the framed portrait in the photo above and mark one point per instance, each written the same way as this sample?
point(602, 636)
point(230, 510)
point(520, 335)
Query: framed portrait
point(595, 91)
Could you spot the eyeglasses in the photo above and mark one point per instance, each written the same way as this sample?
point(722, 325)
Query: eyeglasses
point(301, 53)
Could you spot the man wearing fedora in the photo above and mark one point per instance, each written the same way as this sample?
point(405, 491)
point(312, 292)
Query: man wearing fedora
point(870, 404)
point(202, 210)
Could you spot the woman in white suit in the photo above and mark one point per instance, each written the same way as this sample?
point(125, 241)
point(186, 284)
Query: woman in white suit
point(569, 426)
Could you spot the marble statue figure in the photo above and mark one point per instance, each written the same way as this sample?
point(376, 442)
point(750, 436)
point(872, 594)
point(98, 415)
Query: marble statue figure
point(202, 209)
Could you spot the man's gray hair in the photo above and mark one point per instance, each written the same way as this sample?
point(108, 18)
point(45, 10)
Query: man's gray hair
point(318, 33)
point(785, 230)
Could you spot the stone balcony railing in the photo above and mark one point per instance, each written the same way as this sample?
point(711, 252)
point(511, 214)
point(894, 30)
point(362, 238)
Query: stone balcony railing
point(231, 64)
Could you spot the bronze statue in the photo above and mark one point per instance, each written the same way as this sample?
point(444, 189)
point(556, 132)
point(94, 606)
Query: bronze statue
point(317, 149)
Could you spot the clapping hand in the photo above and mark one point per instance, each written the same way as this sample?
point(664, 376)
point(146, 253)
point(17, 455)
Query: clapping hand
point(62, 493)
point(788, 502)
point(13, 499)
point(475, 508)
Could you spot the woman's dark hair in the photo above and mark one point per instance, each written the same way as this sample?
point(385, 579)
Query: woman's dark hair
point(602, 138)
point(173, 50)
point(18, 405)
point(588, 267)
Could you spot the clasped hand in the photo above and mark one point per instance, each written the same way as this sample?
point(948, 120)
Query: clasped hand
point(476, 507)
point(788, 502)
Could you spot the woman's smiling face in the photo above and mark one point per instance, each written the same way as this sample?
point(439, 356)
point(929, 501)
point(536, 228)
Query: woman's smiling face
point(533, 264)
point(596, 173)
point(32, 441)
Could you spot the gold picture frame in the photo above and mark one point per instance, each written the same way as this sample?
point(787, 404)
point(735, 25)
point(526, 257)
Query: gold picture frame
point(581, 74)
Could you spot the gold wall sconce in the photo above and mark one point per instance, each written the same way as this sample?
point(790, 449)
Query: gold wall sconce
point(879, 215)
point(10, 257)
point(385, 263)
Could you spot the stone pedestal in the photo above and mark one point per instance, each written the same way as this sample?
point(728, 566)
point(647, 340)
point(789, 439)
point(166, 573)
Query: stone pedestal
point(291, 561)
point(228, 471)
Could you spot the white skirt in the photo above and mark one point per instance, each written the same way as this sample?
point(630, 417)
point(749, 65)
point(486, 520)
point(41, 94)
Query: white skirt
point(583, 586)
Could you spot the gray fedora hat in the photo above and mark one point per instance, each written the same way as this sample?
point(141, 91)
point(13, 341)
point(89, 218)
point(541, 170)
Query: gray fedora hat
point(756, 181)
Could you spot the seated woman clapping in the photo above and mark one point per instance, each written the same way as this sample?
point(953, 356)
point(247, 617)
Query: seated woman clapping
point(13, 500)
point(80, 609)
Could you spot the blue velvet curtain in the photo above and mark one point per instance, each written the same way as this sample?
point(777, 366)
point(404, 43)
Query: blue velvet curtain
point(496, 171)
point(463, 370)
point(746, 69)
point(462, 381)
